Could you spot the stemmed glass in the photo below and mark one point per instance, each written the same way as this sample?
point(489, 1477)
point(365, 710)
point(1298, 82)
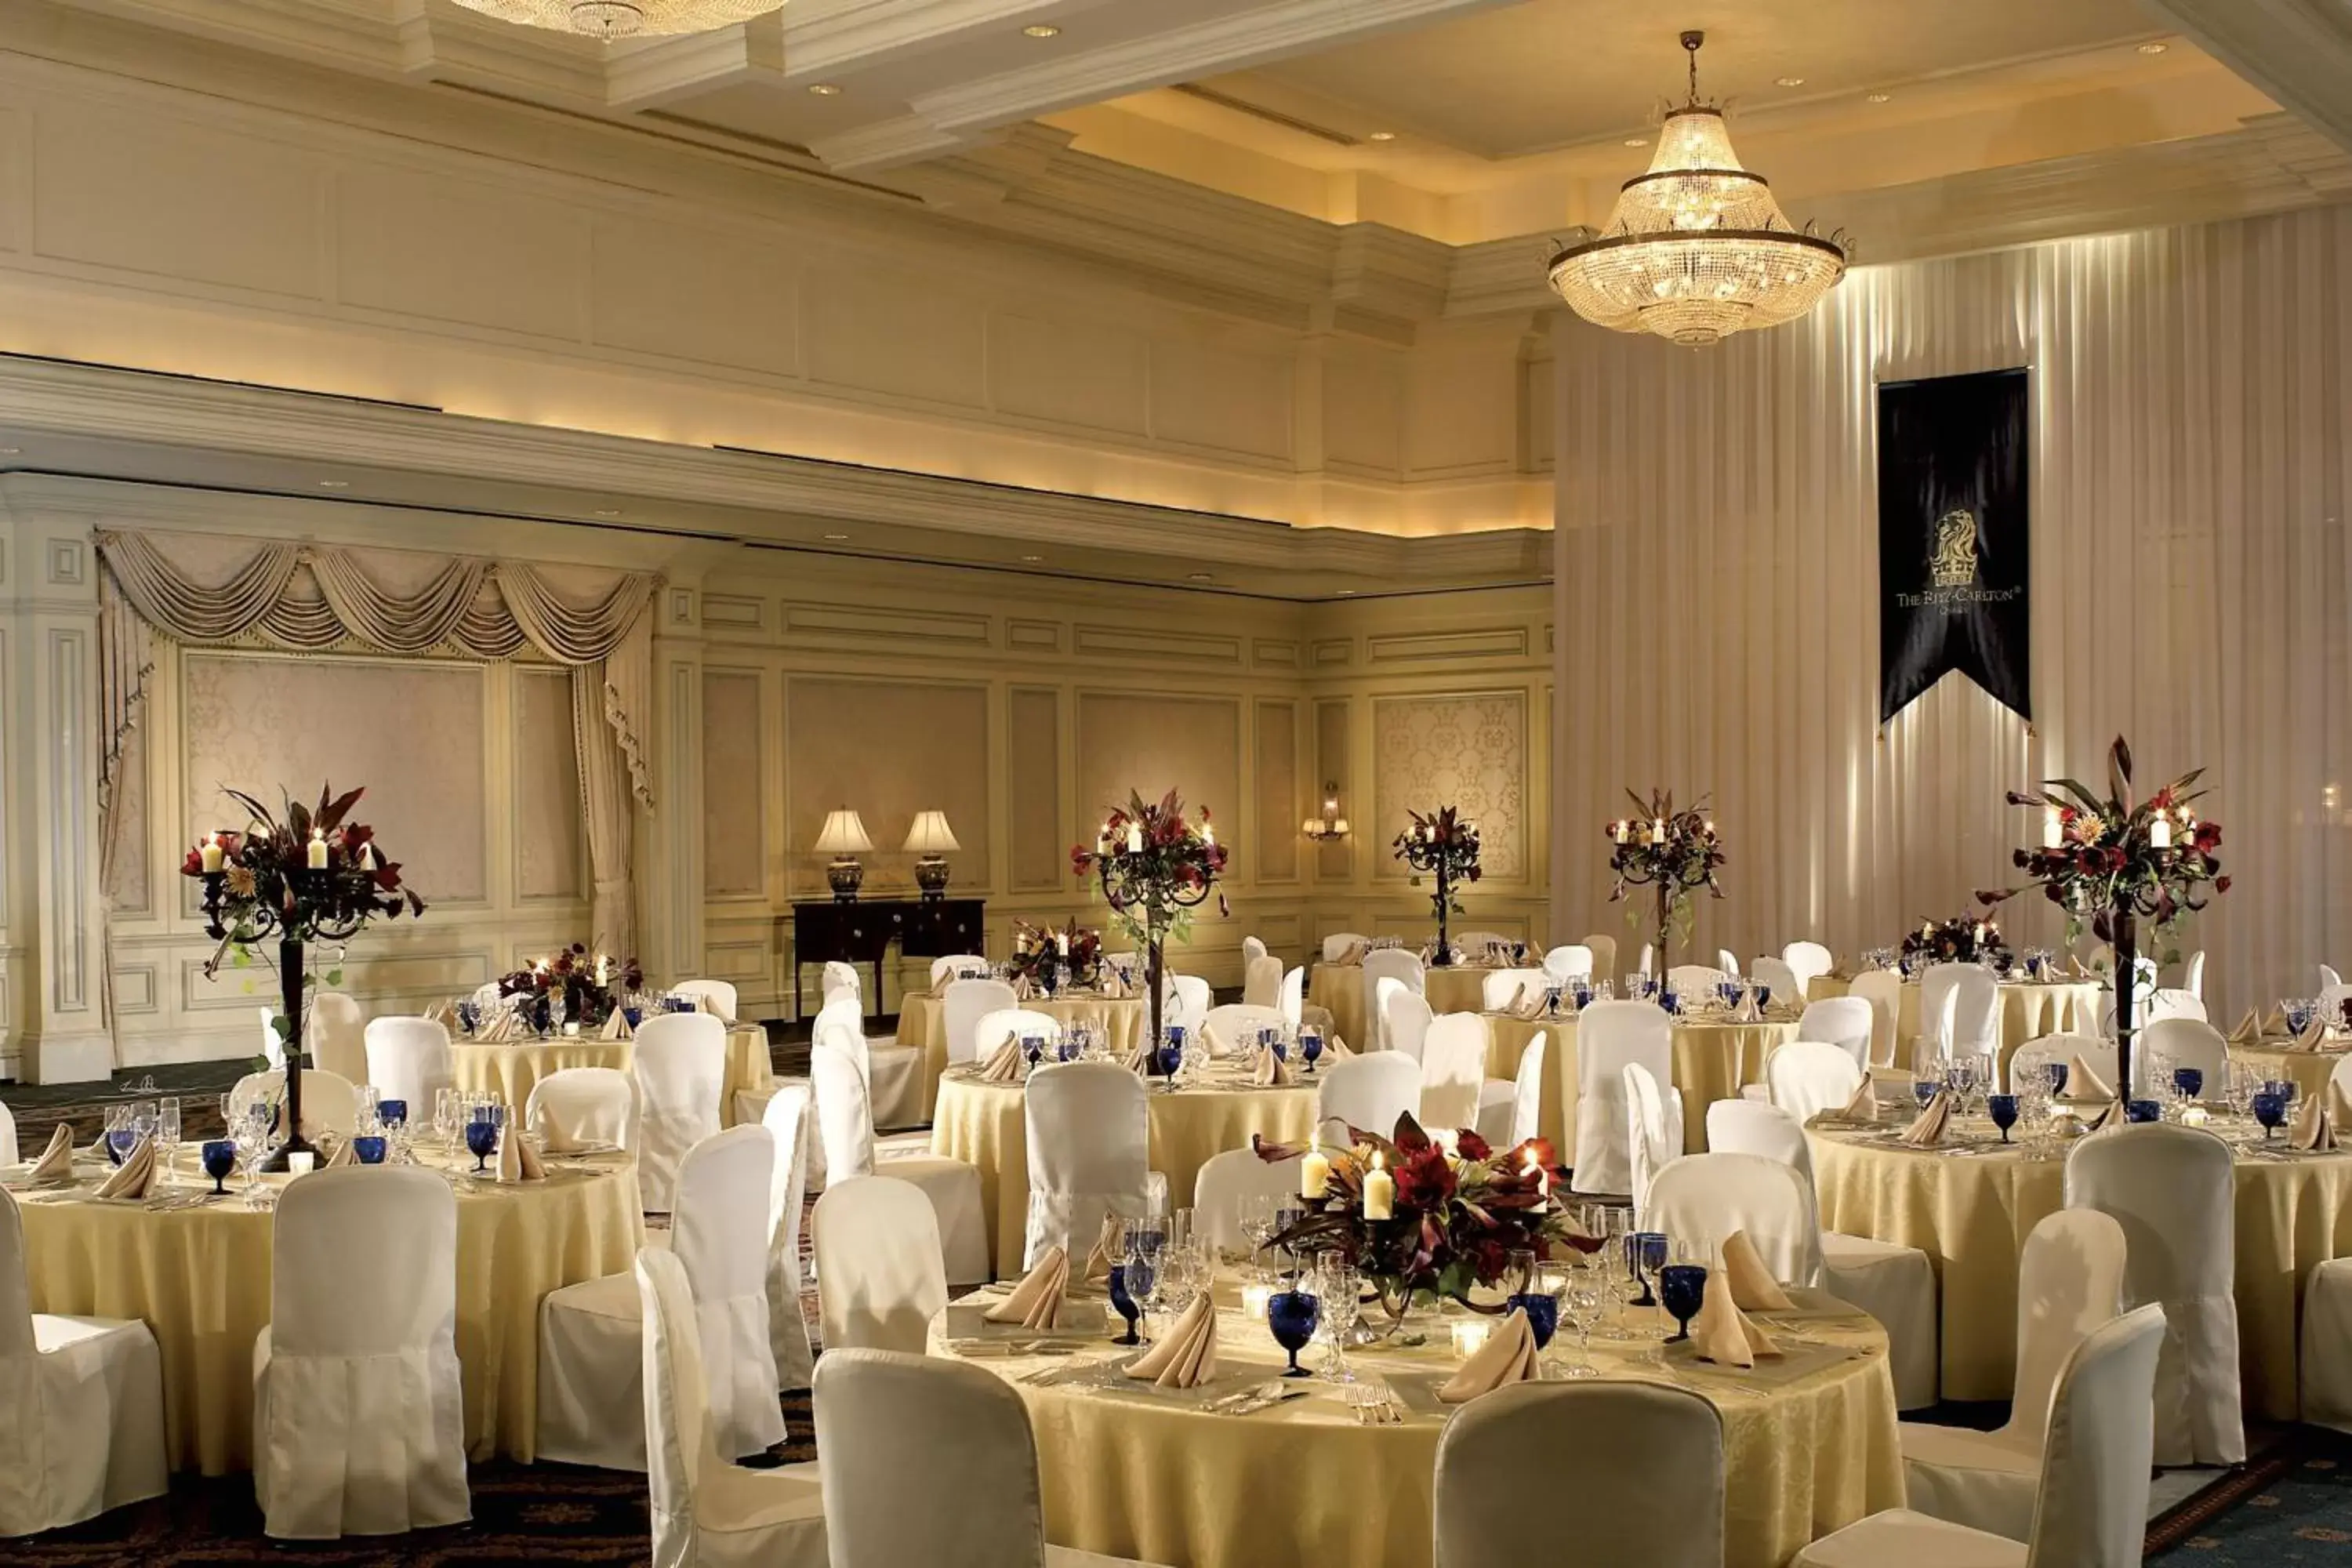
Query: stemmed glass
point(2188, 1084)
point(2002, 1108)
point(1123, 1300)
point(220, 1160)
point(1292, 1316)
point(1578, 1286)
point(2057, 1074)
point(1341, 1290)
point(1310, 1046)
point(1143, 1245)
point(1542, 1309)
point(482, 1139)
point(2270, 1110)
point(1682, 1290)
point(1645, 1254)
point(1257, 1212)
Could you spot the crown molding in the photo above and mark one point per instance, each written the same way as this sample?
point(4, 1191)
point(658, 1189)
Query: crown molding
point(2299, 52)
point(859, 35)
point(667, 70)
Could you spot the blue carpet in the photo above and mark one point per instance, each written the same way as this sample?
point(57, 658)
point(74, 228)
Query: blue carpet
point(2291, 1506)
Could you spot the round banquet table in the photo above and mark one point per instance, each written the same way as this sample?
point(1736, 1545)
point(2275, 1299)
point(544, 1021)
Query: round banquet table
point(2276, 1060)
point(2029, 1010)
point(199, 1272)
point(985, 1125)
point(923, 1021)
point(1714, 1058)
point(510, 1068)
point(1135, 1471)
point(1971, 1212)
point(1457, 988)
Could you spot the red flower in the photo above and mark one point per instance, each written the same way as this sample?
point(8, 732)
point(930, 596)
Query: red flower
point(2208, 837)
point(1473, 1147)
point(1425, 1180)
point(2221, 884)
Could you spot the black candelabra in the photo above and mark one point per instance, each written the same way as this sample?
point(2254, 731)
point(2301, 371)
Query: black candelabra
point(1437, 857)
point(1134, 881)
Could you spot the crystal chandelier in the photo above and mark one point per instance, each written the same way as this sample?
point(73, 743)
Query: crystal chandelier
point(1696, 248)
point(621, 18)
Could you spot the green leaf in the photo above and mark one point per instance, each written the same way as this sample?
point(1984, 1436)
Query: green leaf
point(240, 959)
point(334, 978)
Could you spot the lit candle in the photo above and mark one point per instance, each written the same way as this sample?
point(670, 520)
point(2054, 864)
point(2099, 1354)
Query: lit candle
point(1062, 941)
point(1380, 1192)
point(318, 850)
point(1208, 833)
point(1315, 1172)
point(1658, 831)
point(1134, 839)
point(1542, 1176)
point(1617, 830)
point(210, 853)
point(1470, 1337)
point(1710, 828)
point(2053, 828)
point(604, 968)
point(368, 861)
point(572, 1030)
point(2159, 832)
point(1254, 1301)
point(300, 1163)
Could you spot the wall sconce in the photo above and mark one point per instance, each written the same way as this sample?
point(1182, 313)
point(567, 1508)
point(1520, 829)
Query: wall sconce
point(1330, 828)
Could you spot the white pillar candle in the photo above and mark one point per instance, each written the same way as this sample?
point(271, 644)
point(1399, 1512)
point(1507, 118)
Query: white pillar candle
point(2053, 828)
point(301, 1163)
point(1134, 839)
point(1254, 1301)
point(1208, 833)
point(1380, 1192)
point(1315, 1172)
point(1658, 831)
point(2159, 832)
point(1470, 1337)
point(318, 850)
point(210, 854)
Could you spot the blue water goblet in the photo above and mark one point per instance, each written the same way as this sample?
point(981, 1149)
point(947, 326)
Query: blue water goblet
point(1293, 1316)
point(1067, 1049)
point(220, 1160)
point(1281, 1049)
point(1763, 996)
point(1172, 1056)
point(469, 1016)
point(1645, 1254)
point(1729, 991)
point(1671, 1001)
point(1923, 1090)
point(1034, 1048)
point(2190, 1082)
point(2057, 1071)
point(1543, 1314)
point(393, 1113)
point(1682, 1290)
point(482, 1139)
point(634, 1014)
point(2270, 1110)
point(2002, 1108)
point(120, 1141)
point(368, 1149)
point(2143, 1111)
point(1123, 1300)
point(1310, 1046)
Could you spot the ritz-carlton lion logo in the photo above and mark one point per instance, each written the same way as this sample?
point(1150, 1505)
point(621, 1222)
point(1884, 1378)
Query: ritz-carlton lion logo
point(1954, 563)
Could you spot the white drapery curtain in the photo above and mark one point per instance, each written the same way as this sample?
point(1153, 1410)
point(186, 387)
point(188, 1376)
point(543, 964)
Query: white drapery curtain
point(2191, 587)
point(316, 598)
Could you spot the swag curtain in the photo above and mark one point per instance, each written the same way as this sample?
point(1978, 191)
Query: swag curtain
point(476, 606)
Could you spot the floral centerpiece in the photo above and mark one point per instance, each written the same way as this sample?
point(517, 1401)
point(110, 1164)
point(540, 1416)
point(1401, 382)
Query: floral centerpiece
point(313, 876)
point(1421, 1221)
point(589, 985)
point(2111, 862)
point(1156, 867)
point(1674, 852)
point(1444, 844)
point(1963, 938)
point(1037, 950)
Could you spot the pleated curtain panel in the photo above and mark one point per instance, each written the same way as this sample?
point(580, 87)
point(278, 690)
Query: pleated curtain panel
point(473, 607)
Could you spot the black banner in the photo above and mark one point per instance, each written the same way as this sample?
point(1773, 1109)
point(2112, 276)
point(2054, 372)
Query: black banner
point(1952, 537)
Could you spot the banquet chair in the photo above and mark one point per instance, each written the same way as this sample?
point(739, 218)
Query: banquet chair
point(678, 1064)
point(2192, 975)
point(1958, 1011)
point(2167, 1003)
point(1892, 1283)
point(576, 1109)
point(1809, 961)
point(1391, 964)
point(1291, 1000)
point(786, 1119)
point(408, 1058)
point(1649, 959)
point(1234, 1026)
point(1251, 951)
point(1883, 989)
point(1368, 1091)
point(1405, 1018)
point(893, 1074)
point(883, 1417)
point(1226, 1179)
point(2098, 1055)
point(7, 1136)
point(81, 1404)
point(1654, 1129)
point(273, 1043)
point(1780, 980)
point(1338, 944)
point(2324, 1366)
point(329, 1101)
point(1568, 961)
point(2173, 1191)
point(2090, 1507)
point(1089, 1131)
point(2328, 979)
point(845, 1131)
point(840, 979)
point(2070, 1282)
point(706, 1513)
point(1610, 1035)
point(1703, 1198)
point(962, 1007)
point(2339, 1083)
point(1014, 1024)
point(1455, 1093)
point(592, 1334)
point(1807, 1077)
point(1504, 988)
point(1262, 981)
point(1729, 962)
point(877, 1265)
point(2186, 1043)
point(1478, 944)
point(2331, 1001)
point(359, 1424)
point(1692, 979)
point(336, 1037)
point(1845, 1022)
point(1527, 1092)
point(1192, 1000)
point(1647, 1462)
point(1603, 948)
point(954, 966)
point(708, 997)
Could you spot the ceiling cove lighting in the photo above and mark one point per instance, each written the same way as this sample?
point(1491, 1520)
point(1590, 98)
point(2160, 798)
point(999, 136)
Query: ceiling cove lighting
point(623, 18)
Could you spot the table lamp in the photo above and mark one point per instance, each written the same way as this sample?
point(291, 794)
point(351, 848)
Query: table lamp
point(929, 837)
point(844, 838)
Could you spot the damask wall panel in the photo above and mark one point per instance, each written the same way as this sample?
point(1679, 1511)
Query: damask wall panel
point(887, 750)
point(1467, 750)
point(1278, 795)
point(1033, 753)
point(411, 731)
point(547, 825)
point(129, 888)
point(1137, 741)
point(734, 844)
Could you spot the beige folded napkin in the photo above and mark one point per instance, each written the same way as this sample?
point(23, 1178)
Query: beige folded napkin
point(2112, 1110)
point(344, 1154)
point(1037, 1301)
point(443, 1012)
point(1004, 1063)
point(1721, 1333)
point(1863, 1106)
point(1021, 989)
point(56, 1164)
point(517, 1161)
point(1753, 1288)
point(2315, 1124)
point(1272, 1070)
point(2249, 1029)
point(1354, 956)
point(1107, 1250)
point(1186, 1355)
point(2275, 1021)
point(1336, 1048)
point(507, 1025)
point(2082, 1083)
point(1508, 1356)
point(2316, 1036)
point(616, 1027)
point(1927, 1128)
point(1139, 1062)
point(137, 1175)
point(703, 1004)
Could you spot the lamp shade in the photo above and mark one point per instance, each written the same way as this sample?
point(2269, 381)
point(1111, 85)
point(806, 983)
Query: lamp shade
point(842, 833)
point(930, 835)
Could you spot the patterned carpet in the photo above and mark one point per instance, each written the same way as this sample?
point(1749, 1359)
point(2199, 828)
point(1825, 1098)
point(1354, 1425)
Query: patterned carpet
point(2291, 1506)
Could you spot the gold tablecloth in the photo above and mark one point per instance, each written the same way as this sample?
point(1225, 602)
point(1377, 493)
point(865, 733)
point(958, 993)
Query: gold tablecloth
point(1135, 1472)
point(1459, 988)
point(983, 1124)
point(2029, 1010)
point(201, 1279)
point(923, 1021)
point(2309, 1072)
point(509, 1070)
point(1712, 1062)
point(1971, 1214)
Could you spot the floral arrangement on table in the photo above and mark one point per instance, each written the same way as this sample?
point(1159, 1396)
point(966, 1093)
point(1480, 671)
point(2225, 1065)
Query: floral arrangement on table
point(1421, 1221)
point(1035, 949)
point(590, 984)
point(1156, 865)
point(1963, 938)
point(1674, 852)
point(1444, 844)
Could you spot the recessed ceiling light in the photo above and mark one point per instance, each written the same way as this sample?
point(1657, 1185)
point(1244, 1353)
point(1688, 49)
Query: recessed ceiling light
point(10, 451)
point(1637, 141)
point(1202, 577)
point(1877, 97)
point(1347, 593)
point(335, 484)
point(1041, 30)
point(1033, 558)
point(2154, 48)
point(1789, 80)
point(1380, 136)
point(608, 511)
point(825, 88)
point(837, 538)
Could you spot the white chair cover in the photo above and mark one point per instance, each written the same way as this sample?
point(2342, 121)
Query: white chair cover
point(1234, 1026)
point(1883, 989)
point(2339, 1080)
point(1016, 1024)
point(408, 1058)
point(336, 1037)
point(1568, 961)
point(1262, 981)
point(2324, 1369)
point(1703, 1198)
point(2172, 1189)
point(1389, 963)
point(2070, 1282)
point(953, 965)
point(1694, 980)
point(2184, 1042)
point(1337, 945)
point(1293, 999)
point(679, 1067)
point(1611, 1035)
point(893, 1074)
point(1603, 948)
point(1653, 1128)
point(708, 1513)
point(962, 1007)
point(1527, 1092)
point(1805, 1077)
point(81, 1406)
point(1192, 1000)
point(2329, 1003)
point(1369, 1091)
point(1846, 1022)
point(1776, 976)
point(1647, 1464)
point(1404, 1019)
point(2328, 978)
point(2098, 1054)
point(1251, 951)
point(1452, 1070)
point(839, 984)
point(2168, 1002)
point(573, 1109)
point(358, 1415)
point(719, 995)
point(7, 1136)
point(329, 1103)
point(2192, 978)
point(1506, 987)
point(1810, 960)
point(787, 1121)
point(845, 1130)
point(1727, 960)
point(1224, 1181)
point(1089, 1153)
point(1975, 1003)
point(877, 1265)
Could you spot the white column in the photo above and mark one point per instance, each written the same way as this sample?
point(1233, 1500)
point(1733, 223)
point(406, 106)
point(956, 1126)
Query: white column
point(671, 870)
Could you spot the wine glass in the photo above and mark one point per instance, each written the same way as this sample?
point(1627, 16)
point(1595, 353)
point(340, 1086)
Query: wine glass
point(1762, 994)
point(1292, 1316)
point(369, 1147)
point(1310, 1047)
point(220, 1160)
point(1341, 1291)
point(2142, 1111)
point(1124, 1301)
point(1579, 1288)
point(482, 1141)
point(1171, 1053)
point(1287, 1212)
point(2270, 1110)
point(1645, 1254)
point(2002, 1108)
point(2188, 1083)
point(1682, 1290)
point(2057, 1076)
point(1142, 1265)
point(1924, 1088)
point(1542, 1311)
